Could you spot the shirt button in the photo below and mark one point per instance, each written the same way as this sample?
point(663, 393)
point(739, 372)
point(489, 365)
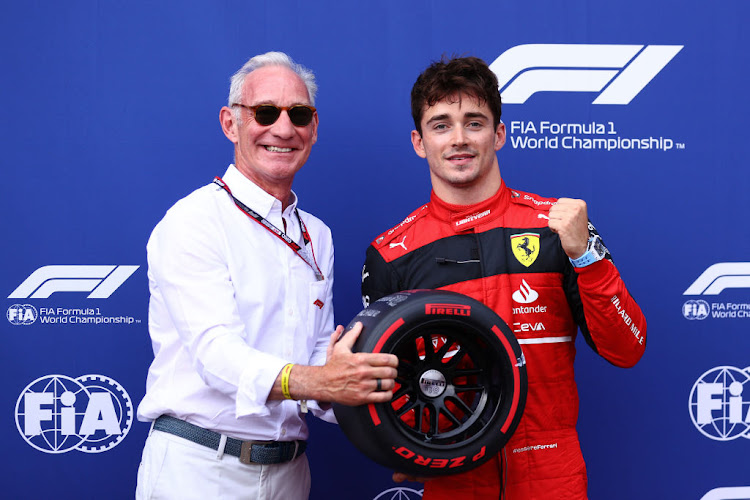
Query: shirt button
point(283, 432)
point(290, 312)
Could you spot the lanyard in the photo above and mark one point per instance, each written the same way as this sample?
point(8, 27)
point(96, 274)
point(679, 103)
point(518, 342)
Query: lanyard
point(302, 252)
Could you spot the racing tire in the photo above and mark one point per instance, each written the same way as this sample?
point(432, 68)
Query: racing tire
point(460, 389)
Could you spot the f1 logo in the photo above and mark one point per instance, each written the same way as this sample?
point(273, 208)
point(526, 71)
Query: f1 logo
point(728, 493)
point(624, 70)
point(101, 281)
point(719, 277)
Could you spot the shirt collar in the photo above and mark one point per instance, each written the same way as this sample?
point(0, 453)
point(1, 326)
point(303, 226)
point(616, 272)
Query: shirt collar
point(253, 196)
point(463, 217)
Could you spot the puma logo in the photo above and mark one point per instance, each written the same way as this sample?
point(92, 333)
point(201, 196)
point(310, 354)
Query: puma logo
point(399, 244)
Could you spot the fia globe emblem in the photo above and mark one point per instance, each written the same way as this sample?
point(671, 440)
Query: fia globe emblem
point(720, 403)
point(56, 414)
point(696, 309)
point(399, 493)
point(21, 314)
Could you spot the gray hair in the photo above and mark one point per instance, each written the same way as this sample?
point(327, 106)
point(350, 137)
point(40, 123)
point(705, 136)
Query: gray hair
point(270, 59)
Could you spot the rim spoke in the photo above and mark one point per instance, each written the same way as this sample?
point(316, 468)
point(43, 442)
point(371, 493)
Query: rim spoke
point(464, 388)
point(406, 408)
point(450, 416)
point(469, 371)
point(402, 391)
point(405, 369)
point(462, 406)
point(444, 349)
point(456, 358)
point(434, 430)
point(429, 349)
point(420, 419)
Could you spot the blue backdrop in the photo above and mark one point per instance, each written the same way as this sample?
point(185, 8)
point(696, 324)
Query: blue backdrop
point(109, 114)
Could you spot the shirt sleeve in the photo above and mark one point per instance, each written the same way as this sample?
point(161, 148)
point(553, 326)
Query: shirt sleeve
point(609, 317)
point(616, 325)
point(378, 277)
point(324, 411)
point(188, 267)
point(318, 357)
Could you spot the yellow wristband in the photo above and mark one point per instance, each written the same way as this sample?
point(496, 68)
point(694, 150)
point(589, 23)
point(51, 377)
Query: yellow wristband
point(285, 380)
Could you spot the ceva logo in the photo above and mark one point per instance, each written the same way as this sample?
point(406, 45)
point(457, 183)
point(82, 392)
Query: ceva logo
point(101, 281)
point(91, 413)
point(619, 72)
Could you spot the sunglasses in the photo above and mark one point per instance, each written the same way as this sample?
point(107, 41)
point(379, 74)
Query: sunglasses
point(266, 114)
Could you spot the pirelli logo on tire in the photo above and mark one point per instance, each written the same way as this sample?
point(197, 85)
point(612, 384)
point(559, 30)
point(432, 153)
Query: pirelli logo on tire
point(448, 309)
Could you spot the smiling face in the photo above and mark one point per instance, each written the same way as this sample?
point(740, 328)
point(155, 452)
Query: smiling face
point(270, 155)
point(459, 142)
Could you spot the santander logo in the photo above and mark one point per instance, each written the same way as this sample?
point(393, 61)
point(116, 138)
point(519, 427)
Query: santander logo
point(525, 294)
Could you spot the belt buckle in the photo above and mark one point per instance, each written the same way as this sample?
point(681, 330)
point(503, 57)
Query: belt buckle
point(246, 450)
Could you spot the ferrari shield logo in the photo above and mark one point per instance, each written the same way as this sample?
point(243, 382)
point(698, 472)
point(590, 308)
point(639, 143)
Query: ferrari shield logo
point(525, 247)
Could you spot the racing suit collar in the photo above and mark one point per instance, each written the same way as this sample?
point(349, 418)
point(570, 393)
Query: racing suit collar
point(465, 217)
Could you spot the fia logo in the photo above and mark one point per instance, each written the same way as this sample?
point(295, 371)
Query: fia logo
point(696, 309)
point(399, 493)
point(91, 413)
point(717, 407)
point(22, 314)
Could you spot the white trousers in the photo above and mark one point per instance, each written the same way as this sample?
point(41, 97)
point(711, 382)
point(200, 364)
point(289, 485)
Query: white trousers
point(174, 468)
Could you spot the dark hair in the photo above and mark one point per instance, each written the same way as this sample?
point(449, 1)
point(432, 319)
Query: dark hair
point(469, 76)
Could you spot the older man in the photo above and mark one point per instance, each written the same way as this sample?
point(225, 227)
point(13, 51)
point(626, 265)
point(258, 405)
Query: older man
point(241, 314)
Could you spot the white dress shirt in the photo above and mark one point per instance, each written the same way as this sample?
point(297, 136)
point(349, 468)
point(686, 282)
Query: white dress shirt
point(230, 305)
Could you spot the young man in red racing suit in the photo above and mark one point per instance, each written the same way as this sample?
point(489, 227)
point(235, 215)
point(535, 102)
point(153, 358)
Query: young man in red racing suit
point(538, 262)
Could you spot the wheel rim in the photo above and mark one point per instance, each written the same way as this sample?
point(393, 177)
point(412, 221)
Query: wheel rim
point(448, 387)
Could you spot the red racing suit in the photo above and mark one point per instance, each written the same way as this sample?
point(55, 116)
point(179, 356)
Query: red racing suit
point(502, 252)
